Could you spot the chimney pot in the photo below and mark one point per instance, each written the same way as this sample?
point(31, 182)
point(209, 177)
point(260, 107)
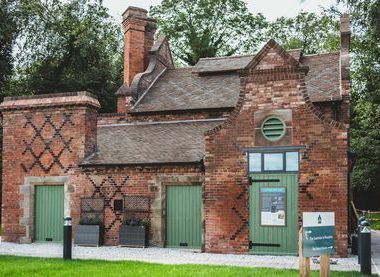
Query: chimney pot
point(135, 12)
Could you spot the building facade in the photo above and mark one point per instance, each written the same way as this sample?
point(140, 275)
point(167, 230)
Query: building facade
point(223, 156)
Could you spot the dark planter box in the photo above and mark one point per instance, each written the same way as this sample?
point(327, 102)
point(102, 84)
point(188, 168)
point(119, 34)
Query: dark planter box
point(89, 235)
point(133, 236)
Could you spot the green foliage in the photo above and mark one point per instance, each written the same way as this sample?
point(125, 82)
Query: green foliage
point(374, 219)
point(91, 220)
point(135, 221)
point(8, 33)
point(365, 128)
point(208, 28)
point(365, 140)
point(27, 266)
point(311, 32)
point(68, 46)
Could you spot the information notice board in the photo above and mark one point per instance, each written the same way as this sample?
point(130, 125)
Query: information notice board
point(318, 231)
point(273, 206)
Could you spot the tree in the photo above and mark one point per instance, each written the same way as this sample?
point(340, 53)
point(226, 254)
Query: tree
point(365, 127)
point(208, 28)
point(68, 46)
point(308, 31)
point(8, 33)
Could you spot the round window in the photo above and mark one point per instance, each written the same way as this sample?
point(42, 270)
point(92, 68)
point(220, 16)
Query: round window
point(273, 128)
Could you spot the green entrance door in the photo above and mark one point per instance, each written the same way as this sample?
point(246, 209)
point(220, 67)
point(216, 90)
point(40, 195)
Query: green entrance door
point(49, 213)
point(183, 216)
point(273, 214)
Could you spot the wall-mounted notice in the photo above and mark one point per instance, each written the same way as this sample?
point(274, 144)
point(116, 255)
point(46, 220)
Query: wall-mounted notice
point(318, 230)
point(273, 206)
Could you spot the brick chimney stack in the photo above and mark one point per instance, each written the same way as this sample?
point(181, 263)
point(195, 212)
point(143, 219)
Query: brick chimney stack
point(345, 40)
point(345, 37)
point(138, 40)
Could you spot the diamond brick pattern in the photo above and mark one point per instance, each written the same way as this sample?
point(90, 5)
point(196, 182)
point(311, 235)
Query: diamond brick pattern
point(107, 189)
point(47, 144)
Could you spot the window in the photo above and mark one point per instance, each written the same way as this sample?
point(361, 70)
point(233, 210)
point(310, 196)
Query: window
point(291, 161)
point(273, 128)
point(254, 162)
point(274, 162)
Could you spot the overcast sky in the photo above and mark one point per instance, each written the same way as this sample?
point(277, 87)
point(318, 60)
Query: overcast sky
point(271, 9)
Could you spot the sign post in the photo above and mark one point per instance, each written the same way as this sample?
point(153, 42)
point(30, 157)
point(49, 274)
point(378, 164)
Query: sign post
point(318, 231)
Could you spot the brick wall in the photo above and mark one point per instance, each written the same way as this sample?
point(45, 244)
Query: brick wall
point(118, 182)
point(42, 136)
point(273, 83)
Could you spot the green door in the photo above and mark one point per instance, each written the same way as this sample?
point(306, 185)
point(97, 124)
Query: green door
point(273, 214)
point(49, 213)
point(183, 216)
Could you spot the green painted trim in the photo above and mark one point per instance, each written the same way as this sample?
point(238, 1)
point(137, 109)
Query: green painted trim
point(286, 236)
point(184, 216)
point(277, 135)
point(49, 213)
point(269, 149)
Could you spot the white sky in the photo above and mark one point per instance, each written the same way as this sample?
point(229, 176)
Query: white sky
point(271, 9)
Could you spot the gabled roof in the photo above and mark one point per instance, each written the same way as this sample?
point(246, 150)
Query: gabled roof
point(151, 143)
point(213, 83)
point(181, 89)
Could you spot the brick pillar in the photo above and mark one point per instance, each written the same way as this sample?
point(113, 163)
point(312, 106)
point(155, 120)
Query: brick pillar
point(43, 136)
point(345, 37)
point(138, 40)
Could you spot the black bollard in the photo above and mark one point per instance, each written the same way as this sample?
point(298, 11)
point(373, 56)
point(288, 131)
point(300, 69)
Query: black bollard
point(365, 249)
point(360, 227)
point(67, 239)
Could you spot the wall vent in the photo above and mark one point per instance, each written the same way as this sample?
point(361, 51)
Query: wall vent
point(273, 128)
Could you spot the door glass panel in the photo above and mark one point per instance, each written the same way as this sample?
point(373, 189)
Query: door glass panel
point(272, 206)
point(292, 161)
point(254, 162)
point(273, 161)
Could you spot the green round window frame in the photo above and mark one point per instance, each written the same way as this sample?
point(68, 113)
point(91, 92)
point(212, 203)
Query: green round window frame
point(273, 128)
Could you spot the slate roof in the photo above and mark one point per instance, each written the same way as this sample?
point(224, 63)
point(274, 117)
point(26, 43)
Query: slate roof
point(322, 81)
point(181, 89)
point(214, 83)
point(150, 143)
point(222, 64)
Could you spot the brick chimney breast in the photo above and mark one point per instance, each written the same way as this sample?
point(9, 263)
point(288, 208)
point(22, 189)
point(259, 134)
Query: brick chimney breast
point(138, 40)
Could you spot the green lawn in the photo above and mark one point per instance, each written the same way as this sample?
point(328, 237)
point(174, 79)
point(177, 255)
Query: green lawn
point(22, 266)
point(375, 224)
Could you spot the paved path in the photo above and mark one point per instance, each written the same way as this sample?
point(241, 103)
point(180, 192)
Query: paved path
point(375, 247)
point(165, 256)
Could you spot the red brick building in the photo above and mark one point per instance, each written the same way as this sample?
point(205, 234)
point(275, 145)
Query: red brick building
point(223, 156)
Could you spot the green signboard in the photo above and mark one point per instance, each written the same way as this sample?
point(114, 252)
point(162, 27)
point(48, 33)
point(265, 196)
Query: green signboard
point(318, 231)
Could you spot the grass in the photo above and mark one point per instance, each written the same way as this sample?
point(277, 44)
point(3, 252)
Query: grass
point(374, 219)
point(26, 266)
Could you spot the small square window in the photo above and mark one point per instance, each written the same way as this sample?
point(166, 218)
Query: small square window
point(254, 162)
point(273, 161)
point(118, 205)
point(292, 161)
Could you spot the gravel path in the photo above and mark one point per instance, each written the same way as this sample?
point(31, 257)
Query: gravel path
point(164, 256)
